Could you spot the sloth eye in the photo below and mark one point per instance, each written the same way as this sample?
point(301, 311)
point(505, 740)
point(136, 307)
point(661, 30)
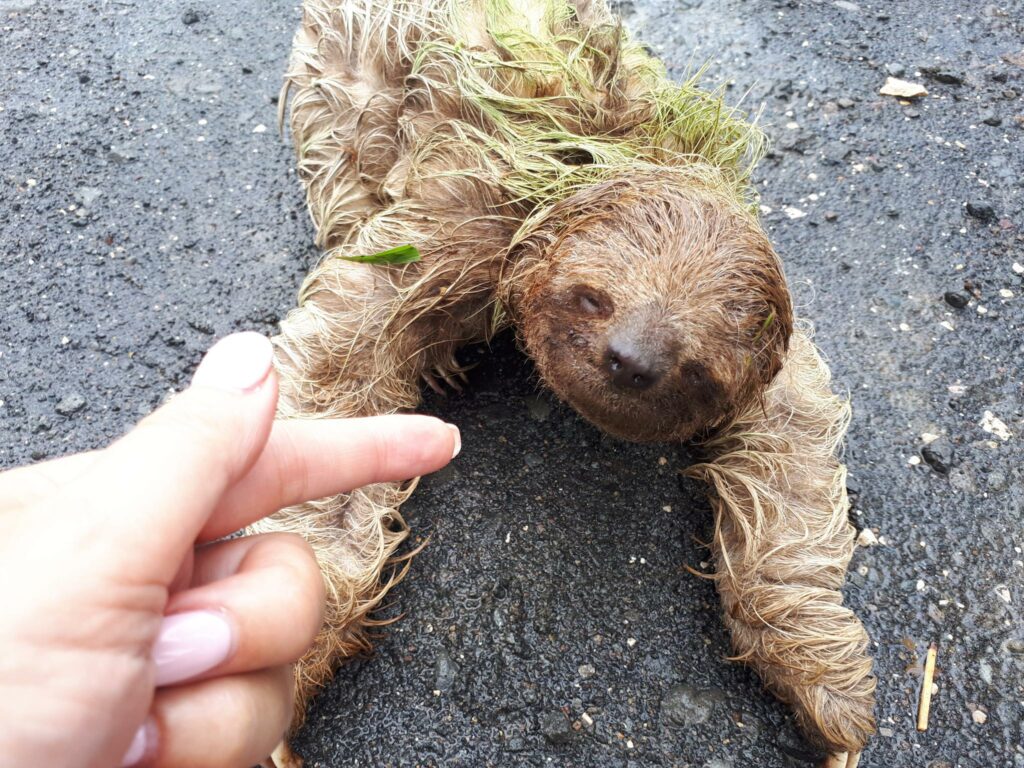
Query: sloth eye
point(590, 304)
point(591, 301)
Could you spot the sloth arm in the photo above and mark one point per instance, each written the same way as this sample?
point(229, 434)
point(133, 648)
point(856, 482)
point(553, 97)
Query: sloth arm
point(782, 542)
point(358, 344)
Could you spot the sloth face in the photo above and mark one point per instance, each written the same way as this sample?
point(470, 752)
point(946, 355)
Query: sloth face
point(657, 312)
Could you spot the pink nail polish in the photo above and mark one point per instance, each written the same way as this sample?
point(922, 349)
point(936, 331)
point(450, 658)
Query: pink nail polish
point(238, 362)
point(140, 744)
point(190, 644)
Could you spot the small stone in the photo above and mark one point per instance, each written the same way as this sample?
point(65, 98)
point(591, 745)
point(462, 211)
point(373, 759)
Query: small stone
point(943, 74)
point(1018, 268)
point(979, 716)
point(996, 481)
point(835, 153)
point(956, 300)
point(685, 705)
point(902, 89)
point(71, 404)
point(846, 5)
point(586, 671)
point(939, 455)
point(1003, 593)
point(88, 195)
point(1014, 646)
point(445, 672)
point(895, 70)
point(991, 118)
point(885, 732)
point(831, 215)
point(120, 154)
point(16, 6)
point(994, 425)
point(981, 211)
point(556, 728)
point(190, 17)
point(201, 324)
point(867, 538)
point(845, 103)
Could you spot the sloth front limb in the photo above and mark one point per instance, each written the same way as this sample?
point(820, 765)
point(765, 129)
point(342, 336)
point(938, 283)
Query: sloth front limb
point(782, 543)
point(358, 344)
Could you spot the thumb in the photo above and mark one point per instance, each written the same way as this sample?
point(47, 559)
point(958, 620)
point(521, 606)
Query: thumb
point(150, 493)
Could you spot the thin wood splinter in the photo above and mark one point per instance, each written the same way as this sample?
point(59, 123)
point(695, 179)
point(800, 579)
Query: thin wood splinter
point(926, 688)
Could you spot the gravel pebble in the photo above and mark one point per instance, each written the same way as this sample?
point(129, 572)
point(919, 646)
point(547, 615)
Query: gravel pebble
point(71, 404)
point(556, 728)
point(686, 705)
point(956, 300)
point(981, 211)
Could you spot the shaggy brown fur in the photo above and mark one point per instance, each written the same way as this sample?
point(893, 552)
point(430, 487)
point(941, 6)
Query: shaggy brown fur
point(643, 288)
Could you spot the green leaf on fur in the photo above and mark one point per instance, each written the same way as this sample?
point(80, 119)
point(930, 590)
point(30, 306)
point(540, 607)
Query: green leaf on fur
point(403, 254)
point(765, 325)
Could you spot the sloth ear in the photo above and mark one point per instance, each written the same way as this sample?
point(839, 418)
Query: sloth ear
point(771, 328)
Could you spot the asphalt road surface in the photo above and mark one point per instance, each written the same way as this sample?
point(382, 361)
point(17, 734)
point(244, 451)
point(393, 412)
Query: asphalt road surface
point(148, 205)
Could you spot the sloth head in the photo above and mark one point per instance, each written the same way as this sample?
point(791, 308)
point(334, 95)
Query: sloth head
point(656, 308)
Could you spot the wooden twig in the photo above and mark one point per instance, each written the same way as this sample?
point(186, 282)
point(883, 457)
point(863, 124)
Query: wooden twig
point(926, 688)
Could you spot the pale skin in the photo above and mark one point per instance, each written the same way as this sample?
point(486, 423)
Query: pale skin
point(99, 549)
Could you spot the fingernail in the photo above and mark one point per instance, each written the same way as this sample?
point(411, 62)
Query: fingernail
point(190, 644)
point(237, 362)
point(141, 743)
point(458, 439)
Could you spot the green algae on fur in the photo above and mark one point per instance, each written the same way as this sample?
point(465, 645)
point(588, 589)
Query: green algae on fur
point(565, 110)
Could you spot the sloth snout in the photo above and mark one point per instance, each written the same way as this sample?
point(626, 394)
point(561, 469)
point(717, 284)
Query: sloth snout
point(629, 365)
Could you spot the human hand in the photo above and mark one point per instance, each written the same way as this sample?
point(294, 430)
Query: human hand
point(130, 636)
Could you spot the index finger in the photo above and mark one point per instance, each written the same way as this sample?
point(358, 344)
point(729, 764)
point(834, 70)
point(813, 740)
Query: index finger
point(311, 459)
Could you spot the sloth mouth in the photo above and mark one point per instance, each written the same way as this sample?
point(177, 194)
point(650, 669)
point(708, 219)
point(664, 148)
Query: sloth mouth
point(628, 418)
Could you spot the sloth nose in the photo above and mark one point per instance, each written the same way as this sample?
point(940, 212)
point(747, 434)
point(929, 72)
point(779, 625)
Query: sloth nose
point(629, 367)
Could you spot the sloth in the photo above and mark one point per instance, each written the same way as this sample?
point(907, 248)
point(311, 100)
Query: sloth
point(551, 178)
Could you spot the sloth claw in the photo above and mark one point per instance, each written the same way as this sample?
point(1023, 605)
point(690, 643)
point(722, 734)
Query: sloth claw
point(451, 382)
point(842, 760)
point(433, 384)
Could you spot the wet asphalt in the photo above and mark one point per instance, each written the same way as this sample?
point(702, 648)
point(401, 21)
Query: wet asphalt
point(148, 206)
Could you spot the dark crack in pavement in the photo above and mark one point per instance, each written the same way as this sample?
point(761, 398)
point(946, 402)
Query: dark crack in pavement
point(148, 205)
